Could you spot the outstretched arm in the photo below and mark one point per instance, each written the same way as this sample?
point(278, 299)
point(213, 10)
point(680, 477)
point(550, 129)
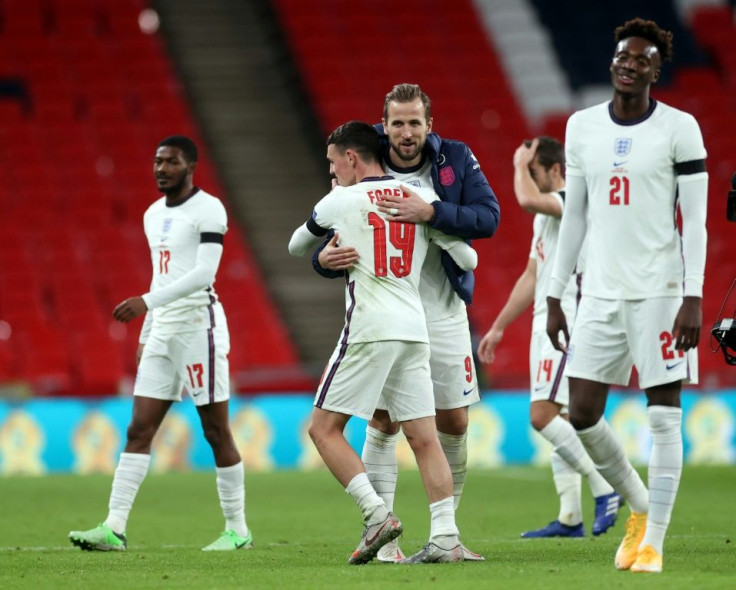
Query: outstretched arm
point(304, 239)
point(463, 255)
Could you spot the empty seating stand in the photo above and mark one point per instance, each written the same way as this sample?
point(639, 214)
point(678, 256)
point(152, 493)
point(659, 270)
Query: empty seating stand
point(85, 96)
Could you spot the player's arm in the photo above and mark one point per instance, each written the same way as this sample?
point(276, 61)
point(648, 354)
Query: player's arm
point(463, 254)
point(478, 213)
point(530, 198)
point(569, 243)
point(331, 260)
point(520, 298)
point(692, 187)
point(209, 253)
point(306, 237)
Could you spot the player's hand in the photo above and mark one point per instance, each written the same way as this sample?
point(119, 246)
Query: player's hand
point(686, 330)
point(409, 209)
point(139, 354)
point(523, 155)
point(488, 344)
point(556, 323)
point(334, 257)
point(129, 309)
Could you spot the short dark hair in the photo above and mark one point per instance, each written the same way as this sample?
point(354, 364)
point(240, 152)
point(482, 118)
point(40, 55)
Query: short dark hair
point(186, 145)
point(407, 93)
point(359, 136)
point(649, 30)
point(549, 152)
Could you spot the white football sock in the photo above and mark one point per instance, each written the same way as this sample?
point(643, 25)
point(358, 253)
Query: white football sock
point(560, 433)
point(442, 522)
point(379, 458)
point(665, 469)
point(129, 475)
point(605, 449)
point(567, 483)
point(371, 505)
point(231, 490)
point(455, 447)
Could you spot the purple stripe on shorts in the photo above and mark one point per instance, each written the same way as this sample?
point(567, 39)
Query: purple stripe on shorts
point(558, 378)
point(211, 383)
point(343, 348)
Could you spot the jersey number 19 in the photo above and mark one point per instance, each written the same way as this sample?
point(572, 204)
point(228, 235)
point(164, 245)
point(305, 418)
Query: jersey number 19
point(401, 236)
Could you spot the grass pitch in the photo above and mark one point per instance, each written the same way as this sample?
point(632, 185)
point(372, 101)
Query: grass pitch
point(305, 527)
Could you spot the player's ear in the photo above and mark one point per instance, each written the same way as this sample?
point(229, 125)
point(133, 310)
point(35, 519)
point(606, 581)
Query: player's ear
point(429, 125)
point(385, 126)
point(655, 77)
point(192, 167)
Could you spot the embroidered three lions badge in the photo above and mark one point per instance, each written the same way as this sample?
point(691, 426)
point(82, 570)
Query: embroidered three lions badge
point(447, 176)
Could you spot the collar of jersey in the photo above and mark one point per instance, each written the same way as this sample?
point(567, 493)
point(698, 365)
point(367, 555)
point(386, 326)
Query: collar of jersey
point(377, 178)
point(193, 192)
point(629, 122)
point(389, 164)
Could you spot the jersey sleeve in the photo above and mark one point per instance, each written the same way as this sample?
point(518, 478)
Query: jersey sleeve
point(213, 218)
point(688, 143)
point(327, 211)
point(573, 161)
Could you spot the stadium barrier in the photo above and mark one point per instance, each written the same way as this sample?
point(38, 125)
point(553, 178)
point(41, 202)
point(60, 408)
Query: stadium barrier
point(41, 436)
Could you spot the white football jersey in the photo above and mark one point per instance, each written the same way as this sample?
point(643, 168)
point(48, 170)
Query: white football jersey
point(438, 297)
point(634, 246)
point(382, 293)
point(174, 234)
point(544, 246)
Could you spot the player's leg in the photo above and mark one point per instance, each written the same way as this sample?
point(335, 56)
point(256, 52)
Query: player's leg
point(351, 386)
point(230, 478)
point(600, 356)
point(379, 454)
point(548, 412)
point(154, 392)
point(455, 390)
point(569, 521)
point(410, 400)
point(382, 468)
point(665, 470)
point(662, 369)
point(381, 526)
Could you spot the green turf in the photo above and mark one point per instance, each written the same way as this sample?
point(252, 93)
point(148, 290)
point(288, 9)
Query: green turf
point(305, 527)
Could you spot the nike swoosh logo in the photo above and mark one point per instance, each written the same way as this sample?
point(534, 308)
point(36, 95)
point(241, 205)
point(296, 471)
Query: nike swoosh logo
point(468, 391)
point(371, 540)
point(675, 365)
point(621, 163)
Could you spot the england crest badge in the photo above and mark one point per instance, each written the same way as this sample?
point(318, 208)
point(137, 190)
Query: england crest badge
point(622, 146)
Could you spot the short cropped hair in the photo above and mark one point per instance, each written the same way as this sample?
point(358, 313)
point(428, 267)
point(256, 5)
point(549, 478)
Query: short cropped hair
point(186, 145)
point(358, 136)
point(407, 93)
point(549, 152)
point(649, 30)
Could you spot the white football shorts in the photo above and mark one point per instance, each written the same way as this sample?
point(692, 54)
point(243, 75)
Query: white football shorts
point(451, 363)
point(194, 361)
point(546, 368)
point(357, 374)
point(611, 336)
